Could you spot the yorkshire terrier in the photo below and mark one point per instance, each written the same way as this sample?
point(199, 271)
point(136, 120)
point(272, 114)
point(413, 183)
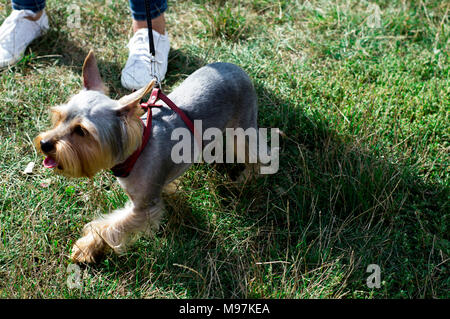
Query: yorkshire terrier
point(92, 132)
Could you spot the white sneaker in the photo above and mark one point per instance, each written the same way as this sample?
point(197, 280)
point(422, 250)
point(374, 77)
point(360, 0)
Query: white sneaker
point(17, 32)
point(138, 69)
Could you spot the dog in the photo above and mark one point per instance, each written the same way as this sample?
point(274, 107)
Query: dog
point(92, 132)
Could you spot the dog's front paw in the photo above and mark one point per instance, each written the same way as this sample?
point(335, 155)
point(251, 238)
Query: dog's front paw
point(88, 249)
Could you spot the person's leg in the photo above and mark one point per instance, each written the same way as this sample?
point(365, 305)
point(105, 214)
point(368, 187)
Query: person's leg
point(26, 22)
point(157, 8)
point(138, 70)
point(158, 24)
point(32, 5)
point(37, 6)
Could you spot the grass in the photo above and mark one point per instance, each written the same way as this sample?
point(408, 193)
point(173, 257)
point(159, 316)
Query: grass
point(364, 167)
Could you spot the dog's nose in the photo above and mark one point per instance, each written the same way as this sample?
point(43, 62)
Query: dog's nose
point(47, 145)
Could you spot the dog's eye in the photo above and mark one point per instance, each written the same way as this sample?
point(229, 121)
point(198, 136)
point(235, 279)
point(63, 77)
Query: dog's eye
point(79, 130)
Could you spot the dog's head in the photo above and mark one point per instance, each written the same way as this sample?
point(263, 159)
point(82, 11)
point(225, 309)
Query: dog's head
point(92, 132)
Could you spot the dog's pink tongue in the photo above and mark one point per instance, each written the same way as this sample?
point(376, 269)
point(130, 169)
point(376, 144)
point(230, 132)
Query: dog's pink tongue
point(49, 162)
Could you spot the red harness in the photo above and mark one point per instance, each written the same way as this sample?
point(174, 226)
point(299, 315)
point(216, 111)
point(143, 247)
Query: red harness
point(124, 169)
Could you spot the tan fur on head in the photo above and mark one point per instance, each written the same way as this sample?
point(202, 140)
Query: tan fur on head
point(130, 111)
point(86, 142)
point(78, 147)
point(77, 155)
point(135, 130)
point(91, 156)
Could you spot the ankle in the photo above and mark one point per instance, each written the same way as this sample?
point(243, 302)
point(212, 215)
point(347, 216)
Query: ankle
point(158, 24)
point(36, 16)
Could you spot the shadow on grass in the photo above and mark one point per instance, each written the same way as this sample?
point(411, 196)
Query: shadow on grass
point(310, 230)
point(58, 45)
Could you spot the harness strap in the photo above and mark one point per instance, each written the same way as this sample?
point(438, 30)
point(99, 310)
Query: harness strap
point(175, 108)
point(123, 169)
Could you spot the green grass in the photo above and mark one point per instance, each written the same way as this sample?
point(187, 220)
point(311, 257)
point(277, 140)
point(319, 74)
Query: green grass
point(364, 167)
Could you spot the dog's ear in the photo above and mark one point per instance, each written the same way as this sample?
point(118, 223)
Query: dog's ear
point(91, 75)
point(129, 104)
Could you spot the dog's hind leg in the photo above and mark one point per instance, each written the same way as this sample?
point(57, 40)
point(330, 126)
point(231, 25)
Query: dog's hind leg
point(248, 146)
point(251, 160)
